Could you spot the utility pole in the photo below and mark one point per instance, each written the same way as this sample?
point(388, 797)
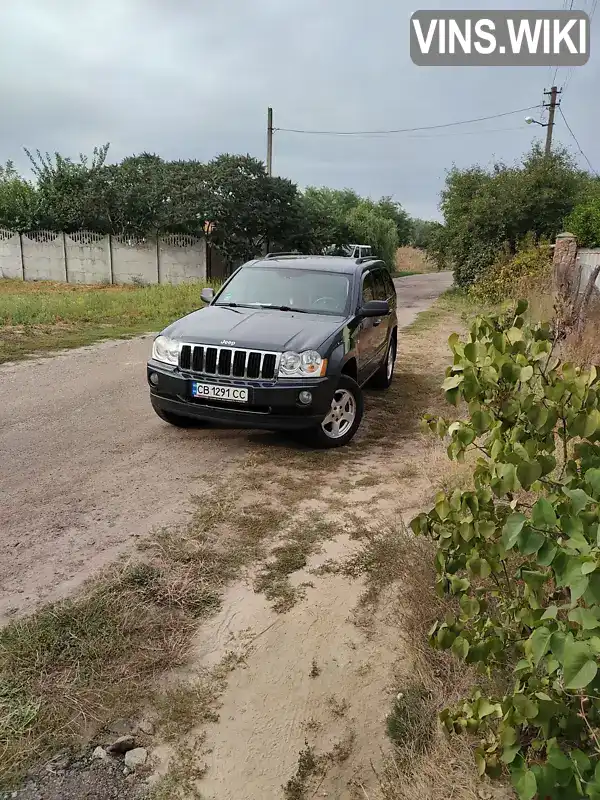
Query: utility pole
point(551, 106)
point(269, 141)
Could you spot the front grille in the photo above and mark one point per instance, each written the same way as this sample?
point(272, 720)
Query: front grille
point(227, 362)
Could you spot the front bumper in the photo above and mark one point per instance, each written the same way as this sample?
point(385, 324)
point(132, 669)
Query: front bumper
point(272, 405)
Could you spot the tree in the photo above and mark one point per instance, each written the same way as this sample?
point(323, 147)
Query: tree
point(18, 200)
point(389, 209)
point(487, 210)
point(584, 222)
point(367, 226)
point(326, 211)
point(248, 208)
point(65, 188)
point(422, 232)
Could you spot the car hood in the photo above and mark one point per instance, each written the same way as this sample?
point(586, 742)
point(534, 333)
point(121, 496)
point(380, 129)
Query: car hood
point(260, 329)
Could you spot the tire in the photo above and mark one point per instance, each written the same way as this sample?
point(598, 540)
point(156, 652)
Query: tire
point(385, 374)
point(347, 401)
point(176, 419)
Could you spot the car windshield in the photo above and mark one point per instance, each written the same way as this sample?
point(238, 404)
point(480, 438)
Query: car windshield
point(302, 290)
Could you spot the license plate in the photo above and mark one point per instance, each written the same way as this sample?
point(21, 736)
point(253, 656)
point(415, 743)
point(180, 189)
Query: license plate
point(231, 394)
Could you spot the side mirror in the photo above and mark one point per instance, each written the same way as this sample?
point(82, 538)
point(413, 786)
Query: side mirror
point(207, 294)
point(375, 308)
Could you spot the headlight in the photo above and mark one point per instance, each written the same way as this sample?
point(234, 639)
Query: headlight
point(302, 365)
point(166, 350)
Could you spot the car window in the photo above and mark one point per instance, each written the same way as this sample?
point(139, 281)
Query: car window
point(368, 290)
point(317, 292)
point(391, 289)
point(381, 291)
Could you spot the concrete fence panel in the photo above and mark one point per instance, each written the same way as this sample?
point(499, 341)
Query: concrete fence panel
point(88, 257)
point(134, 260)
point(588, 260)
point(181, 259)
point(44, 256)
point(11, 263)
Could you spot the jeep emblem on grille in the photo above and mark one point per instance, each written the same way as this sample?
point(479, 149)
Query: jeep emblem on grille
point(230, 344)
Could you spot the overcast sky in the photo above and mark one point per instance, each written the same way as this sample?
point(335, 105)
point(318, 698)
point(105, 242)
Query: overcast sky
point(192, 79)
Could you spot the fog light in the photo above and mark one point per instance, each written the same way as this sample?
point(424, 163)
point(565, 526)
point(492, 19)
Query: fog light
point(305, 398)
point(154, 378)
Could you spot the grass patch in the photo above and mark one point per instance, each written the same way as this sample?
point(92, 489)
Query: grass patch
point(337, 707)
point(404, 273)
point(302, 541)
point(411, 722)
point(38, 316)
point(308, 767)
point(184, 705)
point(66, 667)
point(77, 664)
point(185, 769)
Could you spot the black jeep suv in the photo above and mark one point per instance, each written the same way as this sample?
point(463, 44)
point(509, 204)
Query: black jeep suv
point(286, 344)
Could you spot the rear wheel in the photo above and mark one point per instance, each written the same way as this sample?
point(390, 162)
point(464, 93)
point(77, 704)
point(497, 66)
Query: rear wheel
point(176, 419)
point(344, 416)
point(385, 374)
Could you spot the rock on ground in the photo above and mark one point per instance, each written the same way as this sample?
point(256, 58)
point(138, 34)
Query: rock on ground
point(86, 779)
point(136, 758)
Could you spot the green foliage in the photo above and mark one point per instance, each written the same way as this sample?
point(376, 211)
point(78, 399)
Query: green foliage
point(18, 202)
point(488, 210)
point(367, 226)
point(507, 278)
point(144, 195)
point(520, 553)
point(336, 218)
point(584, 222)
point(389, 209)
point(423, 233)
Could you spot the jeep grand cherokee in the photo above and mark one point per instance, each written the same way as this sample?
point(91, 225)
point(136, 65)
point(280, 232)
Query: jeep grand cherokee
point(287, 343)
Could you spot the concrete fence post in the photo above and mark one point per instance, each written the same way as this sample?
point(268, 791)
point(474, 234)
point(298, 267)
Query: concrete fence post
point(158, 258)
point(110, 258)
point(64, 244)
point(22, 256)
point(565, 269)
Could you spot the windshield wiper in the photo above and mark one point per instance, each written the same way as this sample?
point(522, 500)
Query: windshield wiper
point(284, 308)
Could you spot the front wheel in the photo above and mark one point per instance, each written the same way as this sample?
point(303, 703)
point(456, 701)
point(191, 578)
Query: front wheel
point(344, 416)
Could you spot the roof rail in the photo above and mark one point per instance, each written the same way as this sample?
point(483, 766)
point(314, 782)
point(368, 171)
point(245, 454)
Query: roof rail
point(278, 255)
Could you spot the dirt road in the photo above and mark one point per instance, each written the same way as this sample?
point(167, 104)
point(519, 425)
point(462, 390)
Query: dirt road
point(86, 466)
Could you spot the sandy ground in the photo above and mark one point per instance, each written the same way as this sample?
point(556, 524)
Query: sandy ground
point(275, 703)
point(86, 467)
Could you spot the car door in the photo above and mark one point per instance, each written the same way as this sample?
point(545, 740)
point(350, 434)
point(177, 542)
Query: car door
point(381, 326)
point(368, 334)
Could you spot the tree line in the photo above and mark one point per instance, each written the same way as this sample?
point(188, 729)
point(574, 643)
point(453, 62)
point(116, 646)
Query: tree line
point(491, 211)
point(246, 209)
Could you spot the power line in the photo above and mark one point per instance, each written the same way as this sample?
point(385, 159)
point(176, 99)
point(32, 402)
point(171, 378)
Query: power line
point(462, 133)
point(562, 113)
point(407, 130)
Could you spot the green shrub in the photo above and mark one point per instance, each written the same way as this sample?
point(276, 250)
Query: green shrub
point(520, 553)
point(584, 222)
point(509, 276)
